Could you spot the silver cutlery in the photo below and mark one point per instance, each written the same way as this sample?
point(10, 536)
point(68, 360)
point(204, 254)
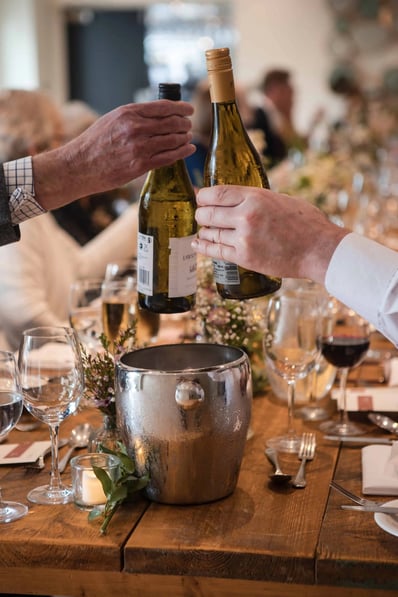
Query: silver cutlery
point(278, 476)
point(39, 463)
point(353, 497)
point(381, 509)
point(79, 438)
point(384, 422)
point(306, 453)
point(359, 439)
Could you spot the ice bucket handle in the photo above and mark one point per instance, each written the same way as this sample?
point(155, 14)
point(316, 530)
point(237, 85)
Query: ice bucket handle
point(189, 394)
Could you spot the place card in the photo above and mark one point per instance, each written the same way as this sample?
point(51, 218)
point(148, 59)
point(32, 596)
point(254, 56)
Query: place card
point(380, 399)
point(23, 453)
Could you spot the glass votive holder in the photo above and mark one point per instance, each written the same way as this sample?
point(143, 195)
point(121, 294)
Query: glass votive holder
point(87, 488)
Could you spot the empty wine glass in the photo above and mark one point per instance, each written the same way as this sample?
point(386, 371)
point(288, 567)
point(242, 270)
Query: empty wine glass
point(52, 383)
point(344, 342)
point(291, 349)
point(11, 402)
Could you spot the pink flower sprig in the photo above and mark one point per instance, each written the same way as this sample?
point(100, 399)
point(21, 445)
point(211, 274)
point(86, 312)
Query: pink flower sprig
point(99, 370)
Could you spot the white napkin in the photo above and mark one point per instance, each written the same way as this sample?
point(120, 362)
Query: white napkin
point(377, 398)
point(22, 453)
point(380, 469)
point(391, 371)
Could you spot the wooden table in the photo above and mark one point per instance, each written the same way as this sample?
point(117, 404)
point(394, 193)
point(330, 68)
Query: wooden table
point(262, 540)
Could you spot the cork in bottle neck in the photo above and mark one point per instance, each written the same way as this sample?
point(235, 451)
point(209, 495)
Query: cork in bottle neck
point(220, 74)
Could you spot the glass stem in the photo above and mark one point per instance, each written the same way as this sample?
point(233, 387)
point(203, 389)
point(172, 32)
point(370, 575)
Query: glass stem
point(343, 396)
point(291, 391)
point(3, 506)
point(55, 477)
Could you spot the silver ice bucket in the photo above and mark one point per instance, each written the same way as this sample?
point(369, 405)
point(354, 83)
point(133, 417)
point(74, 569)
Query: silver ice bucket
point(184, 412)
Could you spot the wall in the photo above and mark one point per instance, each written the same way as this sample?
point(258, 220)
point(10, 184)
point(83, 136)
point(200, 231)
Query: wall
point(288, 33)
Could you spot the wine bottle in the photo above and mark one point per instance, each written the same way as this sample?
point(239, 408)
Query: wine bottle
point(166, 262)
point(232, 159)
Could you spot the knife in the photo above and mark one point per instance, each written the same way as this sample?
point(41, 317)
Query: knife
point(360, 439)
point(381, 509)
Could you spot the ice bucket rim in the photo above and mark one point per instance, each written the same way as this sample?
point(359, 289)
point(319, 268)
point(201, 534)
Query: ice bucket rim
point(241, 356)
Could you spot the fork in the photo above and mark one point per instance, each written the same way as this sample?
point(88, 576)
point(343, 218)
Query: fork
point(306, 452)
point(354, 498)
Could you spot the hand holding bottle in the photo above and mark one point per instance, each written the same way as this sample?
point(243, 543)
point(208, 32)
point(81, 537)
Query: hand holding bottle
point(266, 231)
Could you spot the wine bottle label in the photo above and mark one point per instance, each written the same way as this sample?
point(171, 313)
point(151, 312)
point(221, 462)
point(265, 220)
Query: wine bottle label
point(182, 267)
point(225, 272)
point(145, 264)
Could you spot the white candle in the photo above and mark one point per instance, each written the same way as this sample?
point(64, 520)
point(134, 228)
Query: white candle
point(92, 492)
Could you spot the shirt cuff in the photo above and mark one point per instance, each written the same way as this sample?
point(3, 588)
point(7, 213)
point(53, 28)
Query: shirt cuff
point(360, 275)
point(19, 182)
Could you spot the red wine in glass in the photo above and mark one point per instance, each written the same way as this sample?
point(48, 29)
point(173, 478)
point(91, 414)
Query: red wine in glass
point(344, 351)
point(344, 344)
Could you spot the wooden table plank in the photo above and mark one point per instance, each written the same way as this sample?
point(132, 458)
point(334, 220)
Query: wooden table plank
point(259, 532)
point(61, 534)
point(352, 548)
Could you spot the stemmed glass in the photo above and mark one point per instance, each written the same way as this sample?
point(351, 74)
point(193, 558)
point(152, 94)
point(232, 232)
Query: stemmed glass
point(11, 403)
point(148, 322)
point(291, 349)
point(344, 343)
point(52, 383)
point(85, 311)
point(118, 299)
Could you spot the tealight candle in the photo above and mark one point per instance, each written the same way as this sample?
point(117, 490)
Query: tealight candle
point(87, 488)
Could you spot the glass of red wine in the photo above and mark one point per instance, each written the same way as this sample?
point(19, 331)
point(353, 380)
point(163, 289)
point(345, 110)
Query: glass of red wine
point(344, 343)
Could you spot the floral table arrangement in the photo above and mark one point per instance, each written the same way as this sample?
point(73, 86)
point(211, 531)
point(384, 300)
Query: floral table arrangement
point(231, 322)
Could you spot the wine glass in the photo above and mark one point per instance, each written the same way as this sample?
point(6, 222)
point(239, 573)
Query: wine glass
point(344, 343)
point(52, 381)
point(11, 403)
point(118, 299)
point(291, 349)
point(85, 311)
point(148, 322)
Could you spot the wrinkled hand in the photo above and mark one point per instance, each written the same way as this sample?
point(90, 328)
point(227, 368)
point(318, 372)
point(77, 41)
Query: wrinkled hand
point(118, 147)
point(265, 231)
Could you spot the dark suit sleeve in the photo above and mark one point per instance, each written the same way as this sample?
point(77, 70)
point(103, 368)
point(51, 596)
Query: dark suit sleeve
point(8, 232)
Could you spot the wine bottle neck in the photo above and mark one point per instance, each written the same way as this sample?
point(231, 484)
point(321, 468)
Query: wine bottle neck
point(221, 86)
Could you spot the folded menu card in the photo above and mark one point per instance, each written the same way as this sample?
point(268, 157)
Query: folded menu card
point(380, 469)
point(378, 398)
point(22, 453)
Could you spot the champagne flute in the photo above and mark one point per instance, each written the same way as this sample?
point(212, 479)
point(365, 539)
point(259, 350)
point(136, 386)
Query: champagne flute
point(291, 350)
point(11, 403)
point(85, 311)
point(344, 343)
point(148, 322)
point(118, 299)
point(52, 381)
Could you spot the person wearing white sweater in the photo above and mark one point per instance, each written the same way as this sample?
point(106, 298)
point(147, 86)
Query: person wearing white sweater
point(36, 272)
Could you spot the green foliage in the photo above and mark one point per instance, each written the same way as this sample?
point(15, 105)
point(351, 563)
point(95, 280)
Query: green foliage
point(119, 490)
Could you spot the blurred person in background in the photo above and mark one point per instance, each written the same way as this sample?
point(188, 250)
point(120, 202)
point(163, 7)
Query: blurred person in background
point(36, 273)
point(276, 117)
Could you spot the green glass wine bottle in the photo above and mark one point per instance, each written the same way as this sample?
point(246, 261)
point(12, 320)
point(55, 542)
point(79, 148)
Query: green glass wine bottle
point(166, 262)
point(232, 159)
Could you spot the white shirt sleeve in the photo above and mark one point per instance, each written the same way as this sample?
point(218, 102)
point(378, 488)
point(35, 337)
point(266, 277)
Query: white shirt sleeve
point(363, 275)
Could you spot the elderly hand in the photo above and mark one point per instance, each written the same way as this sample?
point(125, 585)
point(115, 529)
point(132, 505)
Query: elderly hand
point(266, 232)
point(118, 147)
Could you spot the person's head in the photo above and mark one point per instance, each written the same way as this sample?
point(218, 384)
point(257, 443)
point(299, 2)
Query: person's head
point(277, 86)
point(30, 122)
point(78, 116)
